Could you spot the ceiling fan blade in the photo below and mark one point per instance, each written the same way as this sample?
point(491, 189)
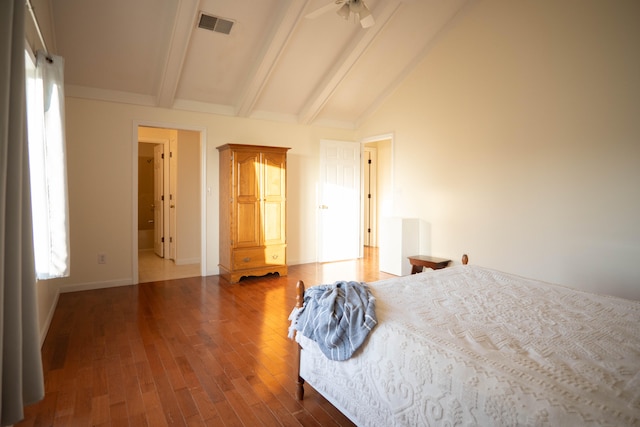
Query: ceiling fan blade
point(324, 9)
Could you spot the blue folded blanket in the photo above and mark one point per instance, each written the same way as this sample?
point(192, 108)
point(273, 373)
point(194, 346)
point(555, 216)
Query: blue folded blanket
point(338, 317)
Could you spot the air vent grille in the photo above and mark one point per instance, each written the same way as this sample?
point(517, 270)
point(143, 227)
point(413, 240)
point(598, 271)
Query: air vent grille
point(214, 23)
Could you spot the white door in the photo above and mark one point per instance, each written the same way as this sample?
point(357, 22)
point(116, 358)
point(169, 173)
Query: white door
point(339, 201)
point(158, 199)
point(173, 197)
point(369, 196)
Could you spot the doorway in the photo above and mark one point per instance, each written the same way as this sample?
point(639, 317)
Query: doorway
point(377, 178)
point(339, 200)
point(370, 196)
point(340, 236)
point(152, 186)
point(170, 209)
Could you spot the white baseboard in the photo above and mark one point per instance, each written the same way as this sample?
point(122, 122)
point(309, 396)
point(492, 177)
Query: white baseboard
point(301, 261)
point(95, 285)
point(185, 261)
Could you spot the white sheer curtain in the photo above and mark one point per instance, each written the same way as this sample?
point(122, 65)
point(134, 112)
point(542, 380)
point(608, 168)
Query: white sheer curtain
point(45, 104)
point(21, 379)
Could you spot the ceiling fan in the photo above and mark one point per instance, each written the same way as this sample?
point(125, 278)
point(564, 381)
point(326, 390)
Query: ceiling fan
point(346, 9)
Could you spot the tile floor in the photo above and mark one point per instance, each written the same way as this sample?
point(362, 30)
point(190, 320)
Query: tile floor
point(152, 268)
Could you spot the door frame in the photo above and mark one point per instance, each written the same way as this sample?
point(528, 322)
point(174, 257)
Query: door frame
point(165, 187)
point(369, 196)
point(134, 191)
point(379, 215)
point(173, 198)
point(158, 222)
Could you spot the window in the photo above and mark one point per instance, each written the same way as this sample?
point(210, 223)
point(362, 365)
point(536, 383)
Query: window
point(45, 129)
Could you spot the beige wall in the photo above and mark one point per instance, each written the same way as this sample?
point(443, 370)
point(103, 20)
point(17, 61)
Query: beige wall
point(99, 143)
point(189, 195)
point(518, 140)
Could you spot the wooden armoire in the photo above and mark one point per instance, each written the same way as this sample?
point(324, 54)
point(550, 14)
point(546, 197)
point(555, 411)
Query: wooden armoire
point(253, 197)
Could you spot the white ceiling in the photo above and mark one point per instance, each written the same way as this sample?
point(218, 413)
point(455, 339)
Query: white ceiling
point(275, 64)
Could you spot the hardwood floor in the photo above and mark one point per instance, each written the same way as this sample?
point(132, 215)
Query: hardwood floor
point(186, 352)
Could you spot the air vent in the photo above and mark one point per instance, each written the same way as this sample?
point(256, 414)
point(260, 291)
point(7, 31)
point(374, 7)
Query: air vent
point(214, 23)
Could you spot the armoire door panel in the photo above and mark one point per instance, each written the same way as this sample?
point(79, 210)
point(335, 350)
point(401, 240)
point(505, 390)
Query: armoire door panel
point(247, 230)
point(247, 180)
point(274, 223)
point(274, 175)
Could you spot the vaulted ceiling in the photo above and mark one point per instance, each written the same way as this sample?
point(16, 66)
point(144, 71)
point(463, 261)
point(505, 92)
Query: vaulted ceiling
point(276, 63)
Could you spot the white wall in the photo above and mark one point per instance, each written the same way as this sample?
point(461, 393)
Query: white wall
point(99, 144)
point(518, 140)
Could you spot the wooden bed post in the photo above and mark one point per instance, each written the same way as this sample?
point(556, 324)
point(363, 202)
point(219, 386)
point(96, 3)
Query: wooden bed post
point(465, 259)
point(299, 303)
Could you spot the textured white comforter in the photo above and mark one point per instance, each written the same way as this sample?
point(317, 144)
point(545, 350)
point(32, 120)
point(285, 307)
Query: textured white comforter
point(471, 346)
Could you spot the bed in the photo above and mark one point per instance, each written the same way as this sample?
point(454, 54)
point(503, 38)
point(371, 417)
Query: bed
point(471, 346)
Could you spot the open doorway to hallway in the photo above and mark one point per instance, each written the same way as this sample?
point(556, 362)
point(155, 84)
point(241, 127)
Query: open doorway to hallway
point(152, 268)
point(169, 204)
point(377, 182)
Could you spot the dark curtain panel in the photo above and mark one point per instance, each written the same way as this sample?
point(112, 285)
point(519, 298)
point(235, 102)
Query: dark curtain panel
point(21, 365)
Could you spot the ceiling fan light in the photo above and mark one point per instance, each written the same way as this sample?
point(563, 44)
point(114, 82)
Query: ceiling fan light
point(344, 11)
point(356, 6)
point(367, 21)
point(364, 13)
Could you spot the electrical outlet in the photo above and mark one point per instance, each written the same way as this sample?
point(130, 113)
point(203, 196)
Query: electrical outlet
point(102, 258)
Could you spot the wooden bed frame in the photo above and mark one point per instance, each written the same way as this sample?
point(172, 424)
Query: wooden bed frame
point(300, 288)
point(473, 345)
point(300, 381)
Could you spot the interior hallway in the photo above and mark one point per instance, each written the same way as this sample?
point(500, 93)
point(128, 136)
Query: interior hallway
point(152, 268)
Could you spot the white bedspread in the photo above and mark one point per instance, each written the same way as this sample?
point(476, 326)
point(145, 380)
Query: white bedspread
point(475, 347)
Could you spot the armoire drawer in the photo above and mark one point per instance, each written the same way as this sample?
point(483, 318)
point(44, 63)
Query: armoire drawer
point(258, 257)
point(275, 255)
point(248, 258)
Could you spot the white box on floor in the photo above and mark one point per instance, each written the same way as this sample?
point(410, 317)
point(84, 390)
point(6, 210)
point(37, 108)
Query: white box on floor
point(399, 239)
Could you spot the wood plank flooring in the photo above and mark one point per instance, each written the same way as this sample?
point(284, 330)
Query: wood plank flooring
point(185, 352)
